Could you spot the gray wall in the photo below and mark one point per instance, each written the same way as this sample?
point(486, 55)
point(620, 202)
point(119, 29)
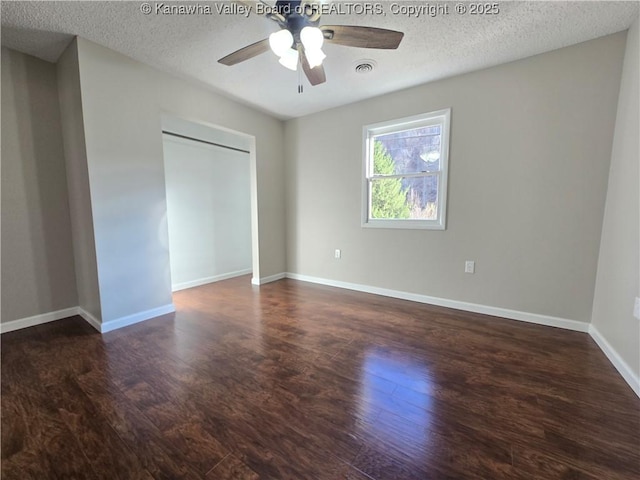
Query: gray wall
point(126, 177)
point(37, 258)
point(529, 158)
point(84, 249)
point(122, 105)
point(618, 280)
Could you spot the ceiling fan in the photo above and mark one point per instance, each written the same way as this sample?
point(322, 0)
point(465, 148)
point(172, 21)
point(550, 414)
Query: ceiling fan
point(300, 38)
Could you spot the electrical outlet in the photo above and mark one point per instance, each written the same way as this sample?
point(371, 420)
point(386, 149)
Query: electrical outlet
point(337, 253)
point(469, 266)
point(636, 308)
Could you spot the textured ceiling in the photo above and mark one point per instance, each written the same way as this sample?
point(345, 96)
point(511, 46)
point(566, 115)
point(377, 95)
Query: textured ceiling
point(190, 45)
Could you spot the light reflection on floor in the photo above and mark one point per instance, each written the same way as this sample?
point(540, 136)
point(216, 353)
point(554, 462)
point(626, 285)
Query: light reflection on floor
point(397, 404)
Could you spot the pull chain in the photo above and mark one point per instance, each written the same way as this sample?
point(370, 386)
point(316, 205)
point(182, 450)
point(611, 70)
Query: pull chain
point(300, 87)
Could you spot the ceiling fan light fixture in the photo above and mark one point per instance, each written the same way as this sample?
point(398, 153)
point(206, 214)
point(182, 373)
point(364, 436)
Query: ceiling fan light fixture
point(312, 38)
point(289, 59)
point(299, 40)
point(280, 42)
point(314, 57)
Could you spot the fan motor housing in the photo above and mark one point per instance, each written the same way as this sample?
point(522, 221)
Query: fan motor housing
point(294, 18)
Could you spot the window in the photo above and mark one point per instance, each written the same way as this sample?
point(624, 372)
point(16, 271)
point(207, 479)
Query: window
point(406, 172)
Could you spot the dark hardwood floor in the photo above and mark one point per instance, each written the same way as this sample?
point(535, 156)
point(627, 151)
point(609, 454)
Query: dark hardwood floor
point(298, 381)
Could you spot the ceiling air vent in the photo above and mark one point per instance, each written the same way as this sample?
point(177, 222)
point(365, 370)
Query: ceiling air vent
point(365, 66)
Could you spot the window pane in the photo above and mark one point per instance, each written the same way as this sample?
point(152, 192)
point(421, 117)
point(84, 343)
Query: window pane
point(422, 196)
point(404, 198)
point(389, 199)
point(410, 151)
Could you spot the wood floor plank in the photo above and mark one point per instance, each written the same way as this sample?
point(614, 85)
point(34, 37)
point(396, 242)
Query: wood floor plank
point(531, 464)
point(307, 382)
point(108, 455)
point(231, 468)
point(34, 436)
point(137, 433)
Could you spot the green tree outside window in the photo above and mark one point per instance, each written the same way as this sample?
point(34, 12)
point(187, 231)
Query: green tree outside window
point(388, 198)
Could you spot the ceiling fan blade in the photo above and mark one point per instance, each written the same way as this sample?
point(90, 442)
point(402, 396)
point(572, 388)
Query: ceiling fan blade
point(363, 37)
point(315, 75)
point(246, 53)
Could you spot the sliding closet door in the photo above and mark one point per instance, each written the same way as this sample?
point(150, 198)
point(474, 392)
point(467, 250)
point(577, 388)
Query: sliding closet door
point(208, 212)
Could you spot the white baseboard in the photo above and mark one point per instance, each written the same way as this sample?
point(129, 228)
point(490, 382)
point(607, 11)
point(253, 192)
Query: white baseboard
point(269, 279)
point(101, 327)
point(37, 319)
point(203, 281)
point(110, 325)
point(90, 319)
point(623, 368)
point(458, 305)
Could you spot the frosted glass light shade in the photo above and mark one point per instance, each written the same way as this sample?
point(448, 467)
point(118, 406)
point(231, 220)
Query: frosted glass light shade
point(312, 38)
point(280, 42)
point(314, 57)
point(289, 59)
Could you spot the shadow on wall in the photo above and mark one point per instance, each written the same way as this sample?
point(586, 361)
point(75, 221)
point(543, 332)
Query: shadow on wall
point(37, 258)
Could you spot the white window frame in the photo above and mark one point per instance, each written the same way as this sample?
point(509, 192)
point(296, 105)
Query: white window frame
point(440, 117)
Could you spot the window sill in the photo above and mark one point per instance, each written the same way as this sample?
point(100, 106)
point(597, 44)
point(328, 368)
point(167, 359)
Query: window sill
point(404, 224)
